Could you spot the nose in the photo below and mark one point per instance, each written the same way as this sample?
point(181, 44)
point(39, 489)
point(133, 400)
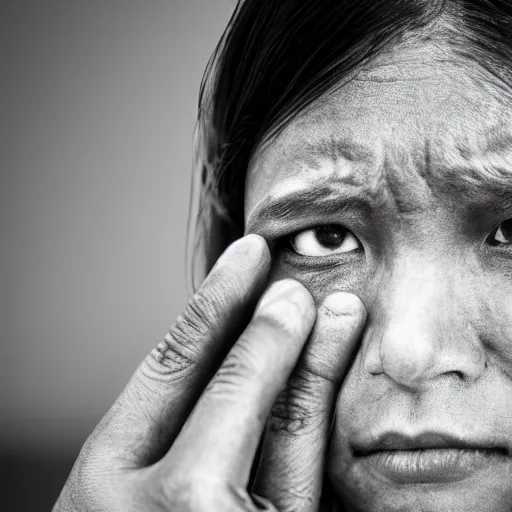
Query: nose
point(420, 331)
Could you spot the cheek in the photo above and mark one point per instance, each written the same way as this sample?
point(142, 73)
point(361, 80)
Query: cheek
point(351, 278)
point(493, 301)
point(484, 301)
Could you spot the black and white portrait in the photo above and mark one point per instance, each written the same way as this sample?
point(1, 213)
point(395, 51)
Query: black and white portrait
point(326, 325)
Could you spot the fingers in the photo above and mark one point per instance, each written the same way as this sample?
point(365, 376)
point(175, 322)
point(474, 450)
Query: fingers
point(221, 436)
point(290, 473)
point(147, 416)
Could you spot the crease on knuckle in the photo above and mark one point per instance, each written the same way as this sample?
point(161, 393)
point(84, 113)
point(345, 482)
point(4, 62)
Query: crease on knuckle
point(213, 301)
point(299, 407)
point(170, 360)
point(187, 491)
point(173, 357)
point(201, 316)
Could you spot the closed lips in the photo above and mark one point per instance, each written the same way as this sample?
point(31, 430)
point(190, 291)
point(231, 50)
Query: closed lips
point(431, 440)
point(430, 458)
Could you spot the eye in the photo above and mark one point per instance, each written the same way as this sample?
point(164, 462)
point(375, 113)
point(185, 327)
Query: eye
point(324, 241)
point(502, 235)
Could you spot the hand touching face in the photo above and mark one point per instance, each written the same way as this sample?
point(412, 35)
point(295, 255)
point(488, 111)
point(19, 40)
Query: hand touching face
point(397, 187)
point(183, 434)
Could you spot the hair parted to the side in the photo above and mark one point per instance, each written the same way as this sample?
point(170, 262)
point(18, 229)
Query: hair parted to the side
point(276, 57)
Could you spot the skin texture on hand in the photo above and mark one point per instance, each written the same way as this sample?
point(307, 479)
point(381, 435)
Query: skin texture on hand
point(184, 432)
point(300, 421)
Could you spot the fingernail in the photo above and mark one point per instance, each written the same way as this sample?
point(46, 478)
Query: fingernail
point(246, 246)
point(343, 303)
point(286, 288)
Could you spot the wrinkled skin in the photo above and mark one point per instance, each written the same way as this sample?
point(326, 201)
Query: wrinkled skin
point(423, 138)
point(184, 433)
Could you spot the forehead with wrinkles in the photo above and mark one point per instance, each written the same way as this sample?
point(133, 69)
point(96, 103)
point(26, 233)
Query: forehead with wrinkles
point(417, 123)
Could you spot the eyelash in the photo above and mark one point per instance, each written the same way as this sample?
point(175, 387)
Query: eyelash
point(283, 247)
point(308, 263)
point(499, 246)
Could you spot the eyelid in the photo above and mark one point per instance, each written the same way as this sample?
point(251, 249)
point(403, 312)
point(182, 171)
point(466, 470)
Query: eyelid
point(348, 215)
point(314, 263)
point(306, 203)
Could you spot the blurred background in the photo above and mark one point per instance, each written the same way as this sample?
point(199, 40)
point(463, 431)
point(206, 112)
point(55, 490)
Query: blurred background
point(98, 107)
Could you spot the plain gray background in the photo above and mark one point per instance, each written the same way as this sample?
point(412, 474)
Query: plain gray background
point(99, 100)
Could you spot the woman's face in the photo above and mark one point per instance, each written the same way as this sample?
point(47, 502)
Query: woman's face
point(410, 165)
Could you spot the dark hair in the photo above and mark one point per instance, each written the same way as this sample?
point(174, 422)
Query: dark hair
point(276, 57)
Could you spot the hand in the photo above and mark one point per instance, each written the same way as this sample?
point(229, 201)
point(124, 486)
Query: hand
point(183, 434)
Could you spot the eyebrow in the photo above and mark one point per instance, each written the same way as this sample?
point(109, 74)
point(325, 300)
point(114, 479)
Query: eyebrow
point(292, 205)
point(348, 194)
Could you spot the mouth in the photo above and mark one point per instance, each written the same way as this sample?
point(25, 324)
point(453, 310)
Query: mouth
point(428, 458)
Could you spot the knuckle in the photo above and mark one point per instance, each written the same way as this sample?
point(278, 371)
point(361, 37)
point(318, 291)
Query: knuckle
point(176, 356)
point(149, 492)
point(201, 315)
point(181, 348)
point(170, 359)
point(187, 492)
point(299, 407)
point(212, 300)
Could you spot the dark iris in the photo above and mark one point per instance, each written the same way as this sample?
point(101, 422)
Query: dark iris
point(504, 229)
point(330, 236)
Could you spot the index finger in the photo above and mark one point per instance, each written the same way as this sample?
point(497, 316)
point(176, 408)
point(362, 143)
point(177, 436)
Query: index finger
point(150, 411)
point(291, 469)
point(221, 435)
